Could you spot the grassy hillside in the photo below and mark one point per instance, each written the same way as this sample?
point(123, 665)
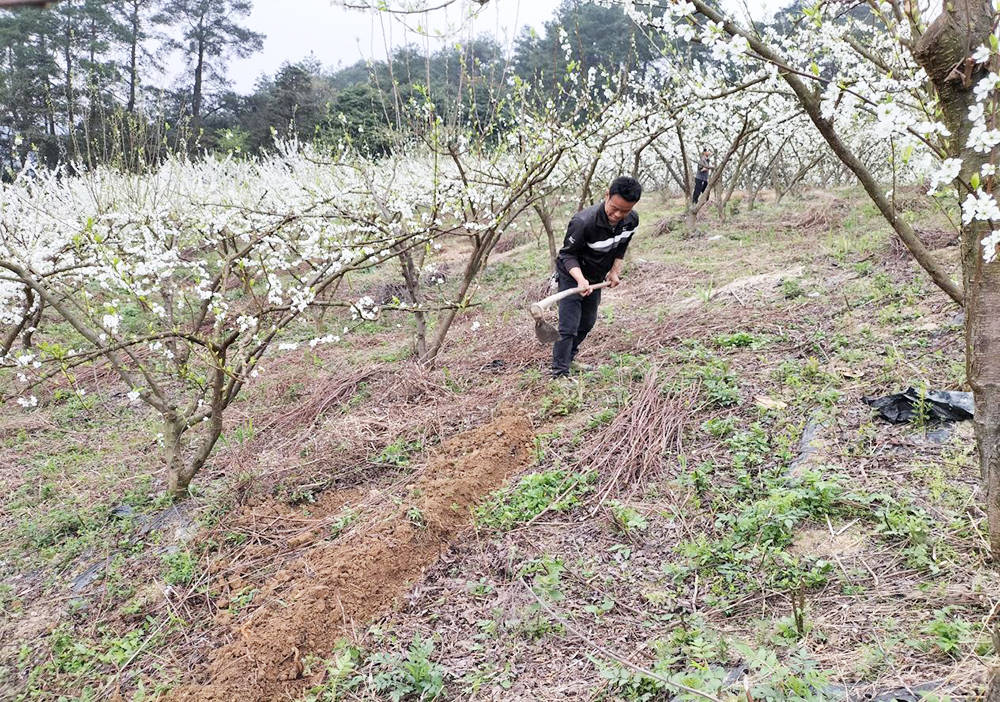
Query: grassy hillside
point(711, 507)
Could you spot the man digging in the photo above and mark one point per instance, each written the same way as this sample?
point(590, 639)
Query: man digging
point(594, 249)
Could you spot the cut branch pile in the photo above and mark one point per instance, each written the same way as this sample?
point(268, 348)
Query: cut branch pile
point(822, 217)
point(933, 239)
point(292, 427)
point(632, 448)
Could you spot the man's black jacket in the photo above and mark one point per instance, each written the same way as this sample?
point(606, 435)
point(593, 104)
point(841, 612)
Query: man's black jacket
point(593, 244)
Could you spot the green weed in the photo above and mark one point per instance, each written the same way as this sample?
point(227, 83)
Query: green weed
point(946, 634)
point(343, 521)
point(555, 490)
point(179, 567)
point(564, 398)
point(412, 674)
point(397, 453)
point(626, 519)
point(720, 427)
point(718, 381)
point(738, 340)
point(340, 673)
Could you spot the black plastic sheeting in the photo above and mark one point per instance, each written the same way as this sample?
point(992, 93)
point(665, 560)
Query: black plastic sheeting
point(938, 405)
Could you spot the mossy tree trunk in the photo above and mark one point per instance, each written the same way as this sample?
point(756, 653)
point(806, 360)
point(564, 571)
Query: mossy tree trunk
point(962, 26)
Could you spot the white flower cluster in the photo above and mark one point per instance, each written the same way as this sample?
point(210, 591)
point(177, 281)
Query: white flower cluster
point(365, 308)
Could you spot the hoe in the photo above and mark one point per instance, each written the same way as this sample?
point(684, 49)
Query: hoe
point(545, 332)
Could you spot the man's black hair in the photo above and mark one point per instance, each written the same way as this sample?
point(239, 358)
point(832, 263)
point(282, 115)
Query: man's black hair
point(627, 187)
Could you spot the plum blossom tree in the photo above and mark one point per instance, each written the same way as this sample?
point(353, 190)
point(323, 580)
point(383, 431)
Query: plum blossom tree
point(180, 280)
point(925, 81)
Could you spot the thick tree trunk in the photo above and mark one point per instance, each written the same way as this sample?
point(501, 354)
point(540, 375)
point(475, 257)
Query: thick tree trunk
point(178, 479)
point(183, 465)
point(962, 26)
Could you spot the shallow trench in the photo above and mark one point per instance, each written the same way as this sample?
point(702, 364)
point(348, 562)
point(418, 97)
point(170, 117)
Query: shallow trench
point(335, 588)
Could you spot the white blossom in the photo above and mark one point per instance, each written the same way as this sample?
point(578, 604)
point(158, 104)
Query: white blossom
point(948, 171)
point(980, 206)
point(990, 242)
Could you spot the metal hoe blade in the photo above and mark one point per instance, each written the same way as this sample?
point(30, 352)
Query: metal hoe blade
point(545, 332)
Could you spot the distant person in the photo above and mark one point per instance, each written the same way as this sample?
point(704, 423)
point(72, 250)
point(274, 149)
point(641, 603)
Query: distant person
point(592, 252)
point(701, 175)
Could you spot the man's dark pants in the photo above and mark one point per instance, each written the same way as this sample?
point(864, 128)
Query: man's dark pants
point(699, 188)
point(577, 316)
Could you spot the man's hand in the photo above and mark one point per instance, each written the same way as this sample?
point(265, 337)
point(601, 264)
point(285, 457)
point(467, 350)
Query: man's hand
point(614, 275)
point(583, 285)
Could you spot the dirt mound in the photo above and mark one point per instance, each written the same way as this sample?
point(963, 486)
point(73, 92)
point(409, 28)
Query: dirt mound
point(334, 587)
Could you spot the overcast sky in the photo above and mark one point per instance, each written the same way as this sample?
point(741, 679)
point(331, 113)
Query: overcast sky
point(338, 37)
point(295, 29)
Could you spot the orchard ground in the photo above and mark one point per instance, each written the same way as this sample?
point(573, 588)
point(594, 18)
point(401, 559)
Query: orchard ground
point(371, 529)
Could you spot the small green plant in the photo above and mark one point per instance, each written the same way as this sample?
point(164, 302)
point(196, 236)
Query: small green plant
point(626, 519)
point(718, 381)
point(913, 528)
point(946, 633)
point(921, 409)
point(416, 517)
point(480, 588)
point(242, 599)
point(705, 292)
point(720, 427)
point(565, 398)
point(341, 673)
point(397, 453)
point(737, 340)
point(343, 521)
point(698, 477)
point(240, 435)
point(179, 567)
point(554, 490)
point(546, 572)
point(749, 448)
point(601, 418)
point(791, 288)
point(600, 608)
point(413, 674)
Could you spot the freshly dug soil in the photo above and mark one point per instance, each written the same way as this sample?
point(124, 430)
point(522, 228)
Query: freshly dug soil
point(335, 588)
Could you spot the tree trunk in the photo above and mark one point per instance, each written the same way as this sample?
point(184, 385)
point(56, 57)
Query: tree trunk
point(546, 218)
point(962, 26)
point(68, 87)
point(810, 101)
point(173, 454)
point(14, 330)
point(411, 278)
point(199, 68)
point(181, 467)
point(133, 63)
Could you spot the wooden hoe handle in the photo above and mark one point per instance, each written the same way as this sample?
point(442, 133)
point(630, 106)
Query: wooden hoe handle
point(539, 307)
